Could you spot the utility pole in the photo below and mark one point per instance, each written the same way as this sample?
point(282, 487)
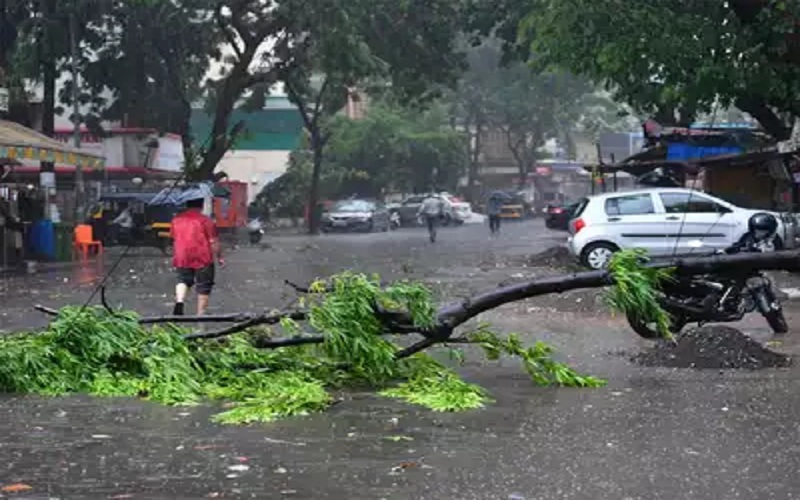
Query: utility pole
point(76, 117)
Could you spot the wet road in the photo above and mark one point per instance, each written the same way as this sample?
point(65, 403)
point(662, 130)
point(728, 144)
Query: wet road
point(651, 434)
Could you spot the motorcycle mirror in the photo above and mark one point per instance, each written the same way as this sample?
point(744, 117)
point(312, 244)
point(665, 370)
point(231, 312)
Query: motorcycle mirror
point(695, 244)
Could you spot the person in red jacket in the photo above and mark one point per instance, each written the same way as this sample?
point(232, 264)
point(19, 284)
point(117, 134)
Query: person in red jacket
point(196, 245)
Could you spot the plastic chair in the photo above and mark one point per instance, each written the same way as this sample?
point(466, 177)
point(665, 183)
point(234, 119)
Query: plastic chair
point(85, 242)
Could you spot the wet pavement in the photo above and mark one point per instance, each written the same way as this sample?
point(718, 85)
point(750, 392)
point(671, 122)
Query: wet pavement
point(652, 433)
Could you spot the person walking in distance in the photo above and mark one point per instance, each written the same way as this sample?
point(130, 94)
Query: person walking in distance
point(494, 206)
point(195, 247)
point(431, 211)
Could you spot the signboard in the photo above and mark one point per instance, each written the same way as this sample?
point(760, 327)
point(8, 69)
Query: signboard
point(90, 143)
point(169, 157)
point(47, 179)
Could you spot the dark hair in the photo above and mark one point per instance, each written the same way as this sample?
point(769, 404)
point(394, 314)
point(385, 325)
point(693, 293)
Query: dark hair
point(198, 203)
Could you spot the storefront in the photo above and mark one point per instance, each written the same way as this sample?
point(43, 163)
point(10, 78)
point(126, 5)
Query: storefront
point(29, 212)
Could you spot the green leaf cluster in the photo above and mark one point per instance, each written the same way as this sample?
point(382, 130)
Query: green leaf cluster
point(636, 287)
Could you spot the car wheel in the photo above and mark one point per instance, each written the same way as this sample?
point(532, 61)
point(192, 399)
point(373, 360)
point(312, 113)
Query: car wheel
point(598, 255)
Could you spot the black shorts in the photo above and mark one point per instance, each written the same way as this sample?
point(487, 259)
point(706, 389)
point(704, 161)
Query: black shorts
point(204, 278)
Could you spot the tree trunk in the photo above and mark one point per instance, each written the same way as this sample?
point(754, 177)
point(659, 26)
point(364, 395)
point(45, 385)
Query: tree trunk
point(223, 135)
point(49, 75)
point(772, 123)
point(459, 313)
point(313, 195)
point(474, 161)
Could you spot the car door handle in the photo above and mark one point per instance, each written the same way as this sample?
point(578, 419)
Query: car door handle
point(674, 217)
point(614, 219)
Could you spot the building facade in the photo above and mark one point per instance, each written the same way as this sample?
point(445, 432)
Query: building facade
point(261, 155)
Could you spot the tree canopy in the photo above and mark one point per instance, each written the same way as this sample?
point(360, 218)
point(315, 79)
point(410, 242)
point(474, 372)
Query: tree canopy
point(393, 148)
point(671, 58)
point(528, 106)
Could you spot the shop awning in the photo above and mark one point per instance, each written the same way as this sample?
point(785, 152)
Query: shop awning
point(21, 143)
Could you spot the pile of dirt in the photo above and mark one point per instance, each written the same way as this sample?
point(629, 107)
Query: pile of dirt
point(712, 347)
point(558, 257)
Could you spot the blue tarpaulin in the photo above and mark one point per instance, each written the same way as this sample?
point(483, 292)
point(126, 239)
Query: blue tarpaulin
point(180, 195)
point(683, 152)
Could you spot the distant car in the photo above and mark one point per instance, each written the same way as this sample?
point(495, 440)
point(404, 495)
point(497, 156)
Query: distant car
point(456, 211)
point(558, 214)
point(357, 215)
point(663, 221)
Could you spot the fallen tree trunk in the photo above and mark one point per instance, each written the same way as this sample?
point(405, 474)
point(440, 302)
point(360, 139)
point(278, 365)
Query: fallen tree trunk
point(457, 314)
point(450, 317)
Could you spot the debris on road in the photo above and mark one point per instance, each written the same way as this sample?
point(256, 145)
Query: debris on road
point(712, 347)
point(16, 488)
point(397, 439)
point(556, 257)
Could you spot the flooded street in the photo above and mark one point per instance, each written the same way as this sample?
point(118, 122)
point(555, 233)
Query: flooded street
point(652, 433)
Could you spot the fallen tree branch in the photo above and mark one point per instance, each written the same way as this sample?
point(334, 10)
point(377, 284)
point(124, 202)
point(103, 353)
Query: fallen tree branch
point(453, 315)
point(287, 342)
point(244, 325)
point(152, 320)
point(218, 318)
point(46, 310)
point(417, 347)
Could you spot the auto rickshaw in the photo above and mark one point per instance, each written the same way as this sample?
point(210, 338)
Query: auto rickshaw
point(151, 223)
point(514, 209)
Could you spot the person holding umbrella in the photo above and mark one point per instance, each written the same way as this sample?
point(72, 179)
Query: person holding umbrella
point(196, 245)
point(494, 205)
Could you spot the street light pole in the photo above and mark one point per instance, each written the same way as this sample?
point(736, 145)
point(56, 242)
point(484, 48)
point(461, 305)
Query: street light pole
point(76, 119)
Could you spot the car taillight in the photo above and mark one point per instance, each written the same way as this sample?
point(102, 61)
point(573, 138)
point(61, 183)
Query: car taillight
point(557, 211)
point(578, 225)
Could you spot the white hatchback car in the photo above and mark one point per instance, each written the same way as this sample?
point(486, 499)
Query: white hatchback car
point(664, 221)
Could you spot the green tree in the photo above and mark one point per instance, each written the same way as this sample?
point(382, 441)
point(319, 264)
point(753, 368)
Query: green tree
point(675, 59)
point(396, 149)
point(286, 195)
point(348, 47)
point(152, 57)
point(393, 148)
point(470, 106)
point(531, 107)
point(158, 59)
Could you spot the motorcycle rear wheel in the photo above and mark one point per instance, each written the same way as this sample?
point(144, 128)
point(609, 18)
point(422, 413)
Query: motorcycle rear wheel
point(777, 322)
point(773, 314)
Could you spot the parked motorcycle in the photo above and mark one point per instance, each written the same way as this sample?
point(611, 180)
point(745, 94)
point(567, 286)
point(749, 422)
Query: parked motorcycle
point(255, 231)
point(725, 297)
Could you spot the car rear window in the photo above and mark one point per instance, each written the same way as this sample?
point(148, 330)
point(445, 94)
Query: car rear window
point(580, 207)
point(635, 204)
